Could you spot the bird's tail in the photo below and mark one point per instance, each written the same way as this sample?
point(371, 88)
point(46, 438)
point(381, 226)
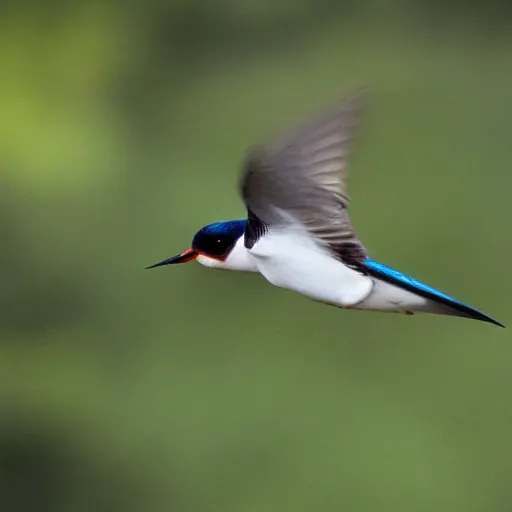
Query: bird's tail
point(397, 292)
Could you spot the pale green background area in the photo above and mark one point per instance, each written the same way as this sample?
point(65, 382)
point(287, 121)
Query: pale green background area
point(122, 132)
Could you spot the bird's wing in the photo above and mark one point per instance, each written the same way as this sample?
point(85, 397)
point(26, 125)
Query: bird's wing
point(303, 176)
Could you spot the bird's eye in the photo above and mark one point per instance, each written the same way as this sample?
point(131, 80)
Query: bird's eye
point(218, 240)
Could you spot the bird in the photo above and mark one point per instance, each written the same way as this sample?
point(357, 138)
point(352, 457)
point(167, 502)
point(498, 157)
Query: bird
point(297, 232)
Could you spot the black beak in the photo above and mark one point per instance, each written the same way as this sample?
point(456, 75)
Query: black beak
point(188, 255)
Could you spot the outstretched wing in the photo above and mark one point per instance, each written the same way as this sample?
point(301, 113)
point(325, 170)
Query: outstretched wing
point(302, 177)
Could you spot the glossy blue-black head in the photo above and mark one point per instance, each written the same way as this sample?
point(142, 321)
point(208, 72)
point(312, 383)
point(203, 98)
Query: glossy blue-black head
point(214, 241)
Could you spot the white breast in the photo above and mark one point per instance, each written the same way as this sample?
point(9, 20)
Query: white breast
point(294, 261)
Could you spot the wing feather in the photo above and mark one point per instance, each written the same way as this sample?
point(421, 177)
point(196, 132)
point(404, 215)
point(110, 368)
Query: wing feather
point(302, 176)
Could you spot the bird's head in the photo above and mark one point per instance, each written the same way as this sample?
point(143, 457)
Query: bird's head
point(218, 245)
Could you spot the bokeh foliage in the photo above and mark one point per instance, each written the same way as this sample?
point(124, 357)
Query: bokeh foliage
point(122, 132)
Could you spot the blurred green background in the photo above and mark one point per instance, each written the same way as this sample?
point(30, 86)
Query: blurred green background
point(122, 131)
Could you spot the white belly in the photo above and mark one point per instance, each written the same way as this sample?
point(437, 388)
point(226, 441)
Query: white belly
point(387, 297)
point(295, 262)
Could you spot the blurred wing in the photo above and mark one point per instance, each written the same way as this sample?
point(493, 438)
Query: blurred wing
point(303, 175)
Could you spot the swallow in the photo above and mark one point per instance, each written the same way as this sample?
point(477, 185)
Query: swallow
point(297, 233)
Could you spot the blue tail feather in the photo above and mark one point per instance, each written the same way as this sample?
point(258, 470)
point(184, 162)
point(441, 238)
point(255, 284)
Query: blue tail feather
point(404, 281)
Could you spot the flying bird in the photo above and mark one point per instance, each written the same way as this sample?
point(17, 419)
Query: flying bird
point(298, 233)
